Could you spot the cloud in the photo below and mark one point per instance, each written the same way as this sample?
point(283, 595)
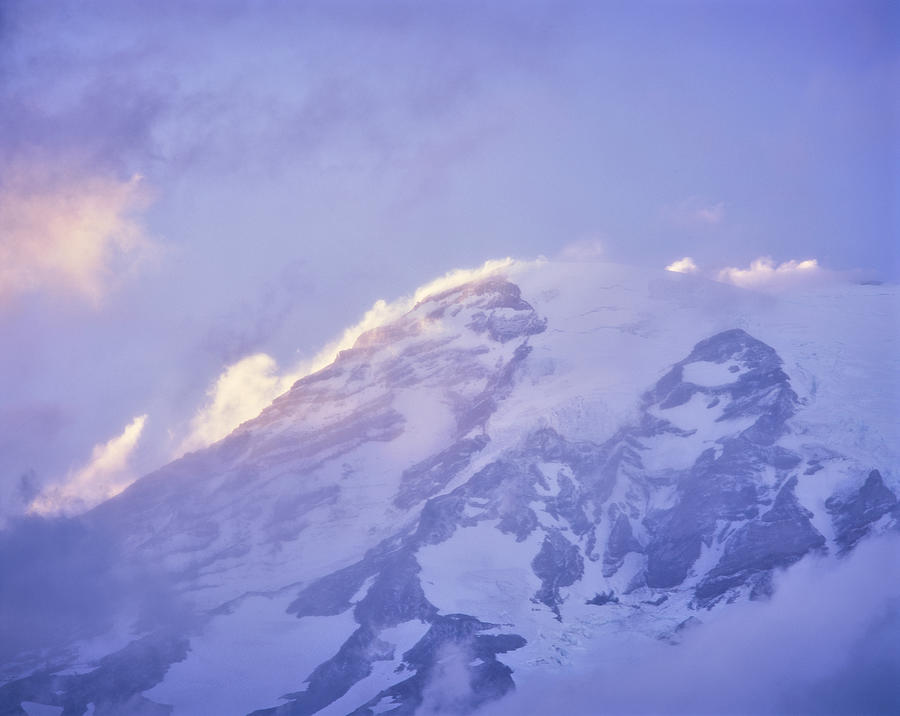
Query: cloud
point(64, 578)
point(684, 265)
point(764, 274)
point(247, 386)
point(68, 230)
point(825, 643)
point(104, 476)
point(449, 687)
point(695, 212)
point(241, 392)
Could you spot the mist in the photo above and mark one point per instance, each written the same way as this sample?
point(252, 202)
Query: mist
point(827, 642)
point(62, 579)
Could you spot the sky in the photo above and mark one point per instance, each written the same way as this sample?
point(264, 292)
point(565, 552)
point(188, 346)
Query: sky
point(195, 195)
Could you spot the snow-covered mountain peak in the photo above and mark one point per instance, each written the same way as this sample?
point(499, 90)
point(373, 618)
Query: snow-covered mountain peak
point(512, 475)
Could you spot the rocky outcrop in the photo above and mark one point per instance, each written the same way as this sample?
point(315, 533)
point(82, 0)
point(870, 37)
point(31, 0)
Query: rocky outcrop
point(853, 517)
point(780, 537)
point(558, 564)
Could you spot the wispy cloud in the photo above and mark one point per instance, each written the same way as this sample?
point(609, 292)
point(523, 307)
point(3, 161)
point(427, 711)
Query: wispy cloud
point(241, 392)
point(104, 476)
point(449, 686)
point(683, 265)
point(69, 231)
point(695, 212)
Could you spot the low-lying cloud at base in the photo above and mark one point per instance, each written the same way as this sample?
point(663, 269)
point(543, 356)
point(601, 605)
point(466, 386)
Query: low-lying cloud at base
point(62, 579)
point(825, 643)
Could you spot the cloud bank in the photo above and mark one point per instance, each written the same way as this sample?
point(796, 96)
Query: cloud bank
point(104, 476)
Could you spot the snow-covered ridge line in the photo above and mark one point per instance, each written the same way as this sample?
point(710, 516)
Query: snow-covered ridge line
point(247, 386)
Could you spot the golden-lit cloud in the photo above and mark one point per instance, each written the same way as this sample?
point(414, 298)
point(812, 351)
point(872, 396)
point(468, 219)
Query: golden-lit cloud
point(683, 265)
point(244, 388)
point(238, 394)
point(68, 230)
point(765, 274)
point(105, 475)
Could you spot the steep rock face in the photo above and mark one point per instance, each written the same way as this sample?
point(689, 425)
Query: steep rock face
point(620, 542)
point(721, 410)
point(854, 517)
point(400, 532)
point(558, 564)
point(733, 366)
point(777, 538)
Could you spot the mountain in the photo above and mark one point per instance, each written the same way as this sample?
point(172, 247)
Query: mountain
point(517, 473)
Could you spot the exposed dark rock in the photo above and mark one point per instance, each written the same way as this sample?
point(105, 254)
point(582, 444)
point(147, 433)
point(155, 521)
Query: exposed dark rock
point(763, 391)
point(114, 687)
point(716, 488)
point(453, 638)
point(503, 328)
point(659, 600)
point(854, 517)
point(813, 466)
point(431, 475)
point(440, 517)
point(558, 564)
point(602, 598)
point(569, 504)
point(331, 594)
point(494, 292)
point(396, 595)
point(521, 522)
point(778, 538)
point(620, 542)
point(333, 678)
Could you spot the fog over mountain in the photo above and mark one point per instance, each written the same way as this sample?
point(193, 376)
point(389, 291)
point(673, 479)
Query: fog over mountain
point(543, 486)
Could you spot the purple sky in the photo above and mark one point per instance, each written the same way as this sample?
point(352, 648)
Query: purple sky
point(183, 185)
